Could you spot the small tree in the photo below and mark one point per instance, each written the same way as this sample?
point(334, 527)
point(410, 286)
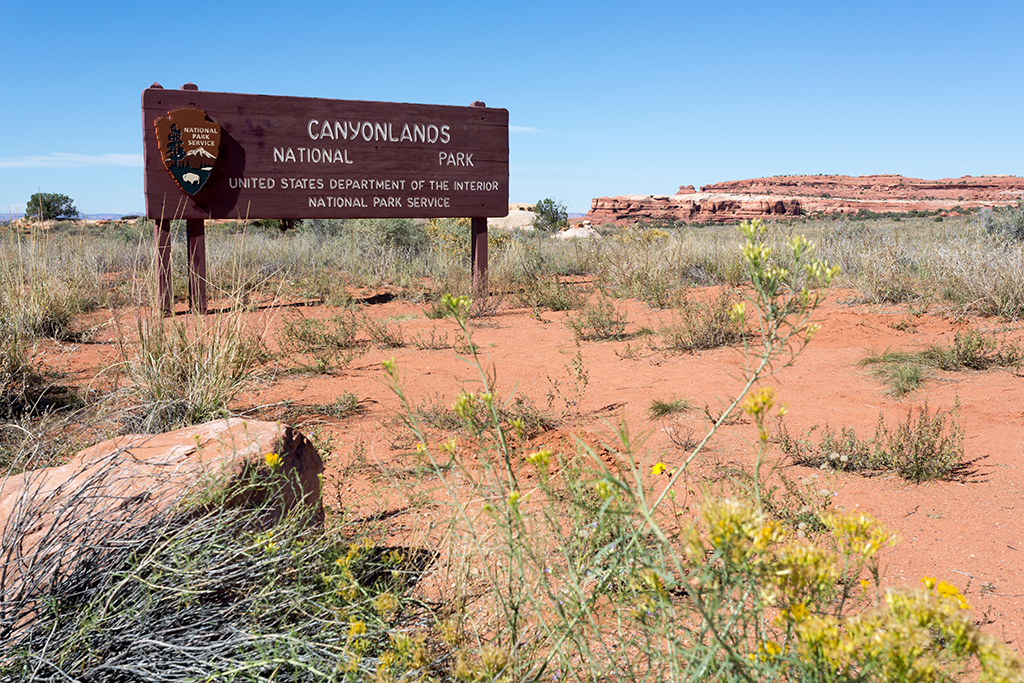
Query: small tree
point(550, 215)
point(50, 205)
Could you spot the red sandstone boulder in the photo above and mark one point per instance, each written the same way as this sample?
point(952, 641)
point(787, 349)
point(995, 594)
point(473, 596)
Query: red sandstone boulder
point(108, 490)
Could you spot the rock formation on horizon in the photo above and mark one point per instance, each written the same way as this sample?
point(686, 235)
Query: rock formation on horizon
point(795, 195)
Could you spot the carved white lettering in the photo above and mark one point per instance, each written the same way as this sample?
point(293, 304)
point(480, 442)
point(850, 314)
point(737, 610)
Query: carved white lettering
point(337, 202)
point(476, 185)
point(454, 159)
point(252, 183)
point(429, 202)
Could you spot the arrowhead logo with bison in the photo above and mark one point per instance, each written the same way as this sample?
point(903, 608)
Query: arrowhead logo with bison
point(189, 145)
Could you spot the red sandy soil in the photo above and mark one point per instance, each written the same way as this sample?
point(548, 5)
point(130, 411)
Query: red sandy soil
point(966, 532)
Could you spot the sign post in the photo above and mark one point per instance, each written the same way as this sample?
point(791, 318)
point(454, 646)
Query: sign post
point(211, 155)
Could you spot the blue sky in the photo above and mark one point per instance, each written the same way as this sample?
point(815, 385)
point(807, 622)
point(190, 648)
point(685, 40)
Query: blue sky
point(604, 98)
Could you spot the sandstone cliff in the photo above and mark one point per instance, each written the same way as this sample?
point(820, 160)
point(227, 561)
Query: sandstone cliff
point(782, 196)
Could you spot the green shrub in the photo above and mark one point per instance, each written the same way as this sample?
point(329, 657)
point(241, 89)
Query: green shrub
point(48, 206)
point(1007, 222)
point(550, 215)
point(930, 447)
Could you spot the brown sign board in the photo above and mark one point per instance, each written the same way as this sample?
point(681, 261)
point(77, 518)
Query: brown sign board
point(229, 155)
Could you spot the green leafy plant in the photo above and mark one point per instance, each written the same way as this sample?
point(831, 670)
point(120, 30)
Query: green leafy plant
point(47, 206)
point(550, 215)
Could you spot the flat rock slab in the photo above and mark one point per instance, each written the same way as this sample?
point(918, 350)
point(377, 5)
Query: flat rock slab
point(109, 489)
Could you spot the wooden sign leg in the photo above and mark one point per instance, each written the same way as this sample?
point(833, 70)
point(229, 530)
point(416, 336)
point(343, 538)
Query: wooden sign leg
point(196, 265)
point(478, 253)
point(162, 263)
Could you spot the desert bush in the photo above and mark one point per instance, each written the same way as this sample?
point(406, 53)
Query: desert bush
point(598, 320)
point(930, 447)
point(550, 215)
point(330, 343)
point(1007, 222)
point(904, 371)
point(697, 325)
point(383, 334)
point(982, 274)
point(550, 293)
point(973, 350)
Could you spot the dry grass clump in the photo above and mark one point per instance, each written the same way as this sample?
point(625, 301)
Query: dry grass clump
point(598, 320)
point(905, 371)
point(698, 325)
point(185, 371)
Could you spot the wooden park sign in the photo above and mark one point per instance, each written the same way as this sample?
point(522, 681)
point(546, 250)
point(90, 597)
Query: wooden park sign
point(211, 155)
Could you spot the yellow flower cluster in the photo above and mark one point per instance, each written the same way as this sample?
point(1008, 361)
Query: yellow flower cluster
point(341, 579)
point(945, 591)
point(468, 404)
point(858, 533)
point(541, 459)
point(908, 636)
point(736, 530)
point(757, 404)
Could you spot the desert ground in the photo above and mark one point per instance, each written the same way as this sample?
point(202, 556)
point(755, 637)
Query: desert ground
point(963, 529)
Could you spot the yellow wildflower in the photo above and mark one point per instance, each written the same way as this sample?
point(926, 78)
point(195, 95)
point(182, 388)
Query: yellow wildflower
point(540, 459)
point(272, 460)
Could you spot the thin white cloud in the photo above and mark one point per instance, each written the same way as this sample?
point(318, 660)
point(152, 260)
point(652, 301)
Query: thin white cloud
point(523, 129)
point(71, 160)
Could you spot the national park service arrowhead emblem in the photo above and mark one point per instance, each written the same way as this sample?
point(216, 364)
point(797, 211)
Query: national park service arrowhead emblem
point(189, 145)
